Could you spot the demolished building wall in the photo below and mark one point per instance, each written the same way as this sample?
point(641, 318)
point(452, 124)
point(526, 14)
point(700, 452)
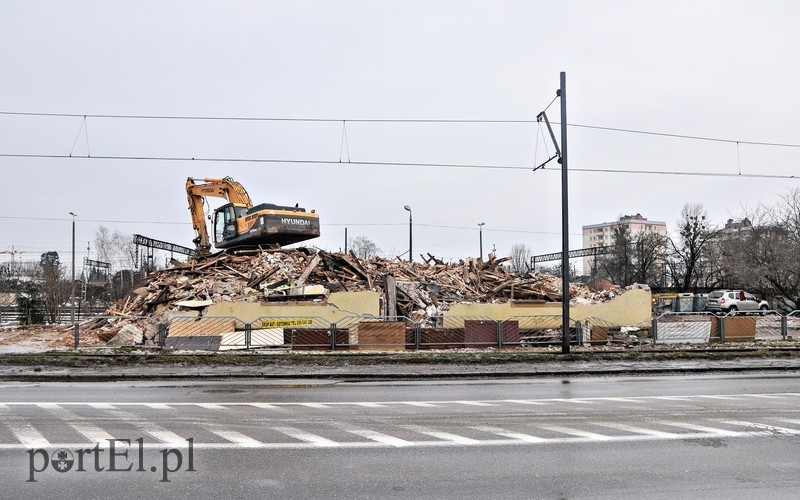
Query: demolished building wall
point(629, 308)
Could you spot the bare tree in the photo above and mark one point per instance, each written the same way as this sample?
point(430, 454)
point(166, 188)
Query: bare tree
point(648, 257)
point(55, 288)
point(117, 248)
point(520, 262)
point(689, 260)
point(363, 247)
point(618, 265)
point(761, 254)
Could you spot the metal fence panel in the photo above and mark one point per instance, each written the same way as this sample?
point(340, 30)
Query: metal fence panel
point(206, 332)
point(378, 333)
point(299, 333)
point(455, 332)
point(684, 328)
point(769, 326)
point(542, 329)
point(598, 331)
point(792, 328)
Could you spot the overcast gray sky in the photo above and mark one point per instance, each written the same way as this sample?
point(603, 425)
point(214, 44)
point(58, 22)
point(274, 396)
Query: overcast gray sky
point(717, 69)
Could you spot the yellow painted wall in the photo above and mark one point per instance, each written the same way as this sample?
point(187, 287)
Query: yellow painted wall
point(630, 308)
point(339, 305)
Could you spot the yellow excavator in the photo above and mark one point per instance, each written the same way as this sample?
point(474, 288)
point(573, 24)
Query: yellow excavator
point(239, 224)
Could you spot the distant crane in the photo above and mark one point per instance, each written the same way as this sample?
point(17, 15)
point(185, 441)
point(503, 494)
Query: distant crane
point(11, 252)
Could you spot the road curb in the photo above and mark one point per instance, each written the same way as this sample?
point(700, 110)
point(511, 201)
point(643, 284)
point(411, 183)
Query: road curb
point(608, 371)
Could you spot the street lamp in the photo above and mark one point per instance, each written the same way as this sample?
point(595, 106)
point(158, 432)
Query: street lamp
point(410, 239)
point(480, 236)
point(72, 294)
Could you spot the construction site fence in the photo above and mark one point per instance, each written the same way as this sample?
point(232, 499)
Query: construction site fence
point(441, 332)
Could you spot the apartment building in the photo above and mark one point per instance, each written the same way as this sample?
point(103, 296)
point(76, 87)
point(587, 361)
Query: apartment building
point(599, 235)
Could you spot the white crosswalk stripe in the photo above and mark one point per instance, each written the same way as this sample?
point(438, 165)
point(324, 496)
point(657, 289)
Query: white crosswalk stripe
point(389, 405)
point(510, 434)
point(266, 406)
point(636, 430)
point(236, 437)
point(766, 427)
point(321, 406)
point(714, 431)
point(576, 432)
point(212, 406)
point(305, 436)
point(28, 435)
point(445, 436)
point(23, 431)
point(380, 437)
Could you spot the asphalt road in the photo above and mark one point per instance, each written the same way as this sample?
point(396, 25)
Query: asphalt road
point(655, 437)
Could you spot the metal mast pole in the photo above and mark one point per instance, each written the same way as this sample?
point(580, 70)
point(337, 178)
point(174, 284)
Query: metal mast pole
point(564, 220)
point(72, 293)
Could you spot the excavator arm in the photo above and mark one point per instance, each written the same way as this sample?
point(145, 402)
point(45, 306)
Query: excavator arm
point(226, 188)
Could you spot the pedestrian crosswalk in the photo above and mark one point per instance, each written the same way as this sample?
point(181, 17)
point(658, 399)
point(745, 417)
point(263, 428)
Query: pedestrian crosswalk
point(219, 437)
point(309, 425)
point(487, 403)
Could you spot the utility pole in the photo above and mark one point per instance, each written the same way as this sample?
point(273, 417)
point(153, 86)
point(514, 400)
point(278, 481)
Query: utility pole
point(562, 92)
point(345, 240)
point(410, 234)
point(561, 154)
point(480, 237)
point(72, 294)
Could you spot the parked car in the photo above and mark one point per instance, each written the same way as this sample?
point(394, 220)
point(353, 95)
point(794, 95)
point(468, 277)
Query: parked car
point(735, 301)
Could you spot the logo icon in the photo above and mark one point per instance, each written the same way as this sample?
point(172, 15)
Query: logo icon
point(62, 460)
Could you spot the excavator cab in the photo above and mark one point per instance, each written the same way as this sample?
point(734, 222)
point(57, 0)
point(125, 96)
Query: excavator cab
point(225, 227)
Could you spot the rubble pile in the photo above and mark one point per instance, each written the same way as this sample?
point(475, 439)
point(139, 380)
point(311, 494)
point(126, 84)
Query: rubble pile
point(301, 274)
point(420, 290)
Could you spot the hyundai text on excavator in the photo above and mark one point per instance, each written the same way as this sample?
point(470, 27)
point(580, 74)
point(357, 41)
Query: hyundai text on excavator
point(239, 224)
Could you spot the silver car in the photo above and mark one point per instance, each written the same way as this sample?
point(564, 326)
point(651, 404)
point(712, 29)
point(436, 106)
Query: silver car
point(735, 301)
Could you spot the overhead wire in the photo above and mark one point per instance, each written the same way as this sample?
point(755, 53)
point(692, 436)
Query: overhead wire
point(351, 224)
point(390, 164)
point(390, 120)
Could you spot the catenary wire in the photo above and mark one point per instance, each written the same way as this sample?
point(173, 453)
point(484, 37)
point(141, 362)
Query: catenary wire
point(388, 120)
point(394, 164)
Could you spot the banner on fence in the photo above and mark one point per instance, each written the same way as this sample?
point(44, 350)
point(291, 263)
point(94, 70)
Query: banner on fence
point(285, 322)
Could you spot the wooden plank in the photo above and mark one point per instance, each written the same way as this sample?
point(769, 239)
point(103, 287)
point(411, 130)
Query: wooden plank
point(390, 285)
point(307, 271)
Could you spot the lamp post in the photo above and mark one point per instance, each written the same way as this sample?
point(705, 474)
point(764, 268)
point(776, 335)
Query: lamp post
point(410, 233)
point(480, 237)
point(72, 293)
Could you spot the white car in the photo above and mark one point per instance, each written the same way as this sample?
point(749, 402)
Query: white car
point(735, 301)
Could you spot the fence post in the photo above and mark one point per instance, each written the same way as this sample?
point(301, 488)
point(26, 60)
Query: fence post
point(333, 336)
point(76, 330)
point(417, 335)
point(578, 333)
point(500, 333)
point(654, 330)
point(722, 329)
point(248, 332)
point(784, 327)
point(162, 334)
